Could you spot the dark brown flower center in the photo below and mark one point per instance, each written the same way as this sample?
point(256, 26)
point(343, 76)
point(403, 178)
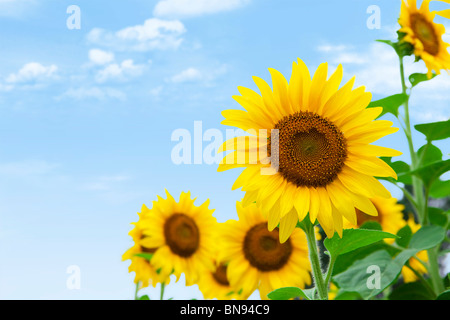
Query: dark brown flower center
point(311, 149)
point(426, 33)
point(182, 235)
point(263, 249)
point(220, 275)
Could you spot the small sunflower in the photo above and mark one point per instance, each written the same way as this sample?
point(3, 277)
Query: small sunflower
point(145, 272)
point(325, 162)
point(183, 234)
point(424, 35)
point(215, 284)
point(408, 274)
point(256, 258)
point(390, 215)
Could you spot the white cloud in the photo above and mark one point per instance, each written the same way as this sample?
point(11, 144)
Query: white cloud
point(100, 57)
point(154, 34)
point(96, 93)
point(121, 72)
point(191, 8)
point(32, 72)
point(188, 75)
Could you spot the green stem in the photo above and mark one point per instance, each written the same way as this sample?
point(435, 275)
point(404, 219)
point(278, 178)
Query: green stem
point(421, 199)
point(315, 262)
point(330, 271)
point(422, 279)
point(163, 285)
point(136, 291)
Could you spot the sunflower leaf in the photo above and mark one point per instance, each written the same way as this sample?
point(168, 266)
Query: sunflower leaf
point(288, 293)
point(435, 130)
point(389, 104)
point(353, 239)
point(444, 295)
point(417, 78)
point(431, 172)
point(412, 291)
point(374, 273)
point(440, 189)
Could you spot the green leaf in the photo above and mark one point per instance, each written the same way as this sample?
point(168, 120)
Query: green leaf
point(404, 236)
point(147, 256)
point(431, 172)
point(353, 239)
point(435, 131)
point(358, 278)
point(427, 237)
point(345, 295)
point(390, 104)
point(411, 291)
point(444, 295)
point(440, 189)
point(344, 261)
point(417, 78)
point(291, 293)
point(429, 153)
point(437, 217)
point(145, 297)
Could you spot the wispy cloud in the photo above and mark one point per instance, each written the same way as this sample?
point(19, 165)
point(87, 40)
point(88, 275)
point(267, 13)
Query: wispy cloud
point(192, 8)
point(119, 72)
point(32, 73)
point(96, 93)
point(153, 34)
point(100, 57)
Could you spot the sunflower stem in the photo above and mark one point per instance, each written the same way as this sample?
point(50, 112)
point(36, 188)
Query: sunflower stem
point(136, 291)
point(163, 285)
point(315, 262)
point(421, 199)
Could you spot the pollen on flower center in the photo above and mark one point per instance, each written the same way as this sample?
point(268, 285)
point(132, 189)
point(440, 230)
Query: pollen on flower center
point(311, 149)
point(424, 30)
point(182, 235)
point(263, 250)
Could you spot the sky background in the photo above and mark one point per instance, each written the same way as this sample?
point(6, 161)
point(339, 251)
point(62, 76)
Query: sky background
point(86, 117)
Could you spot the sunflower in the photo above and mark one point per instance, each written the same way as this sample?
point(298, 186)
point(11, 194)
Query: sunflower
point(215, 284)
point(319, 155)
point(426, 36)
point(257, 260)
point(183, 234)
point(145, 272)
point(408, 274)
point(390, 216)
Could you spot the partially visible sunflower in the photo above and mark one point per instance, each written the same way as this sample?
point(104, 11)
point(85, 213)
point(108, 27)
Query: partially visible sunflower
point(325, 164)
point(408, 274)
point(390, 216)
point(444, 13)
point(183, 234)
point(145, 272)
point(256, 258)
point(215, 284)
point(425, 35)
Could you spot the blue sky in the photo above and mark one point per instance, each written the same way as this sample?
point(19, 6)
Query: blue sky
point(86, 116)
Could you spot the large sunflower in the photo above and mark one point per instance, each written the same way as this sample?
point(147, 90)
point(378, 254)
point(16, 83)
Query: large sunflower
point(325, 163)
point(145, 272)
point(183, 234)
point(446, 12)
point(257, 260)
point(390, 215)
point(424, 35)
